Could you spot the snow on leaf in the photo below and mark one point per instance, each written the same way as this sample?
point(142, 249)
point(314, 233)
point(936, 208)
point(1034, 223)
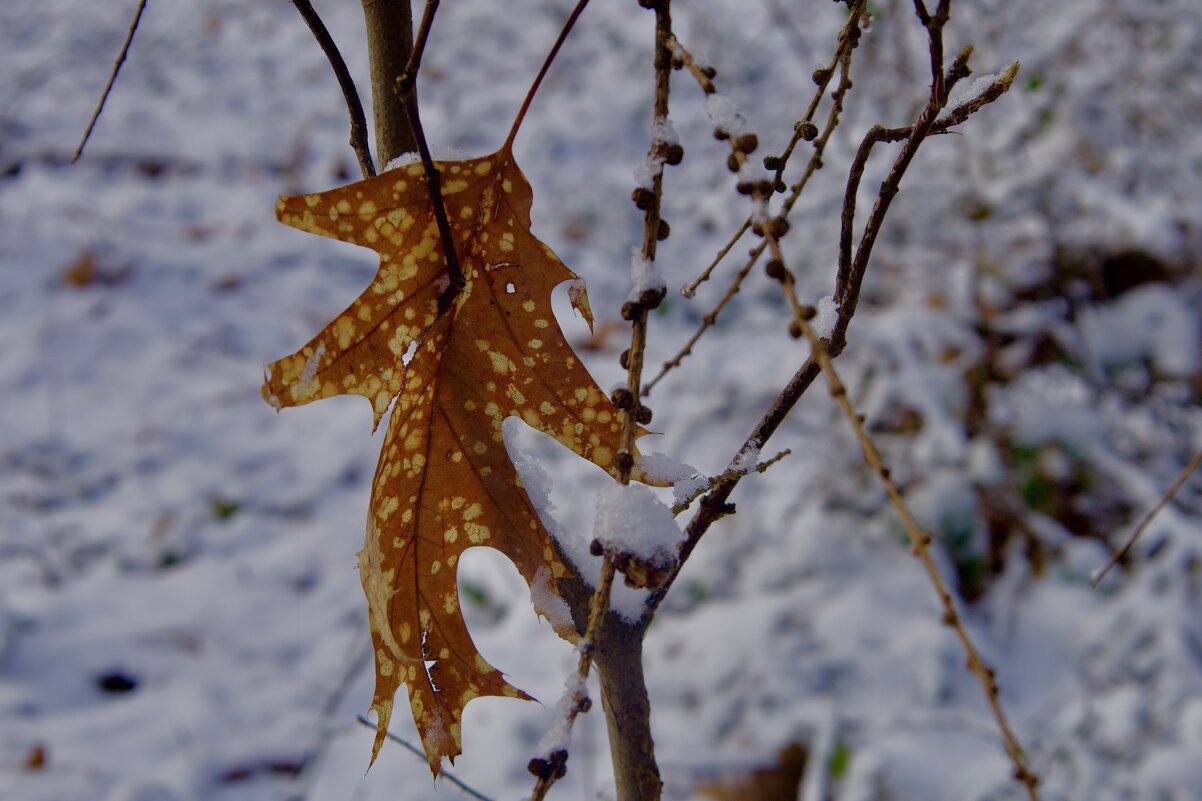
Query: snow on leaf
point(444, 481)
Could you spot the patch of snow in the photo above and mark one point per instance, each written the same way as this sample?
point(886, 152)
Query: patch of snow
point(724, 113)
point(559, 735)
point(686, 488)
point(310, 372)
point(660, 467)
point(1151, 322)
point(548, 602)
point(631, 519)
point(828, 314)
point(644, 274)
point(662, 133)
point(967, 94)
point(437, 153)
point(747, 458)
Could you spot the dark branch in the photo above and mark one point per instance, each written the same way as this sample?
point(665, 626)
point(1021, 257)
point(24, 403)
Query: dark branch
point(104, 96)
point(406, 89)
point(444, 774)
point(353, 105)
point(563, 35)
point(1117, 556)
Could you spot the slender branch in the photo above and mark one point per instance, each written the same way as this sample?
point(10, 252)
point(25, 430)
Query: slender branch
point(619, 643)
point(851, 273)
point(759, 467)
point(108, 87)
point(814, 164)
point(563, 35)
point(405, 87)
point(442, 774)
point(852, 269)
point(552, 767)
point(637, 312)
point(690, 289)
point(920, 541)
point(357, 662)
point(715, 504)
point(1118, 555)
point(848, 38)
point(345, 82)
point(710, 318)
point(413, 65)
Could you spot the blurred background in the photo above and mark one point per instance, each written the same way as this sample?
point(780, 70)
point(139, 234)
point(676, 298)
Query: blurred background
point(180, 615)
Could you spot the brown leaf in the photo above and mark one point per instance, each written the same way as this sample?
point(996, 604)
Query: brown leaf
point(777, 782)
point(86, 271)
point(444, 482)
point(36, 758)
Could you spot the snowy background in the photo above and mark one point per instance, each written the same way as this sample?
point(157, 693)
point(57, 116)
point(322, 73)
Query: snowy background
point(180, 617)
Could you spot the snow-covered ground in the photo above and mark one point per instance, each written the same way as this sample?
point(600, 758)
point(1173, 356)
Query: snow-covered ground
point(180, 616)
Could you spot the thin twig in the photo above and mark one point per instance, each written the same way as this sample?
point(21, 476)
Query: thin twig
point(129, 40)
point(795, 191)
point(690, 289)
point(406, 89)
point(715, 504)
point(919, 539)
point(637, 312)
point(759, 467)
point(851, 272)
point(553, 767)
point(920, 542)
point(849, 37)
point(550, 771)
point(1118, 555)
point(345, 82)
point(442, 774)
point(845, 42)
point(358, 661)
point(413, 66)
point(853, 268)
point(709, 320)
point(563, 35)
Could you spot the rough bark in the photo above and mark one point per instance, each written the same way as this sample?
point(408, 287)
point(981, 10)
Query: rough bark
point(389, 44)
point(627, 711)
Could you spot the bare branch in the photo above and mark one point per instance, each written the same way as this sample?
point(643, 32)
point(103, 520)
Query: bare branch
point(442, 774)
point(405, 87)
point(552, 767)
point(1118, 555)
point(759, 467)
point(814, 164)
point(108, 87)
point(345, 82)
point(690, 289)
point(715, 504)
point(848, 38)
point(542, 73)
point(920, 542)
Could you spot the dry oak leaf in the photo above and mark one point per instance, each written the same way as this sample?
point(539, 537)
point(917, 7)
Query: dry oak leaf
point(444, 481)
